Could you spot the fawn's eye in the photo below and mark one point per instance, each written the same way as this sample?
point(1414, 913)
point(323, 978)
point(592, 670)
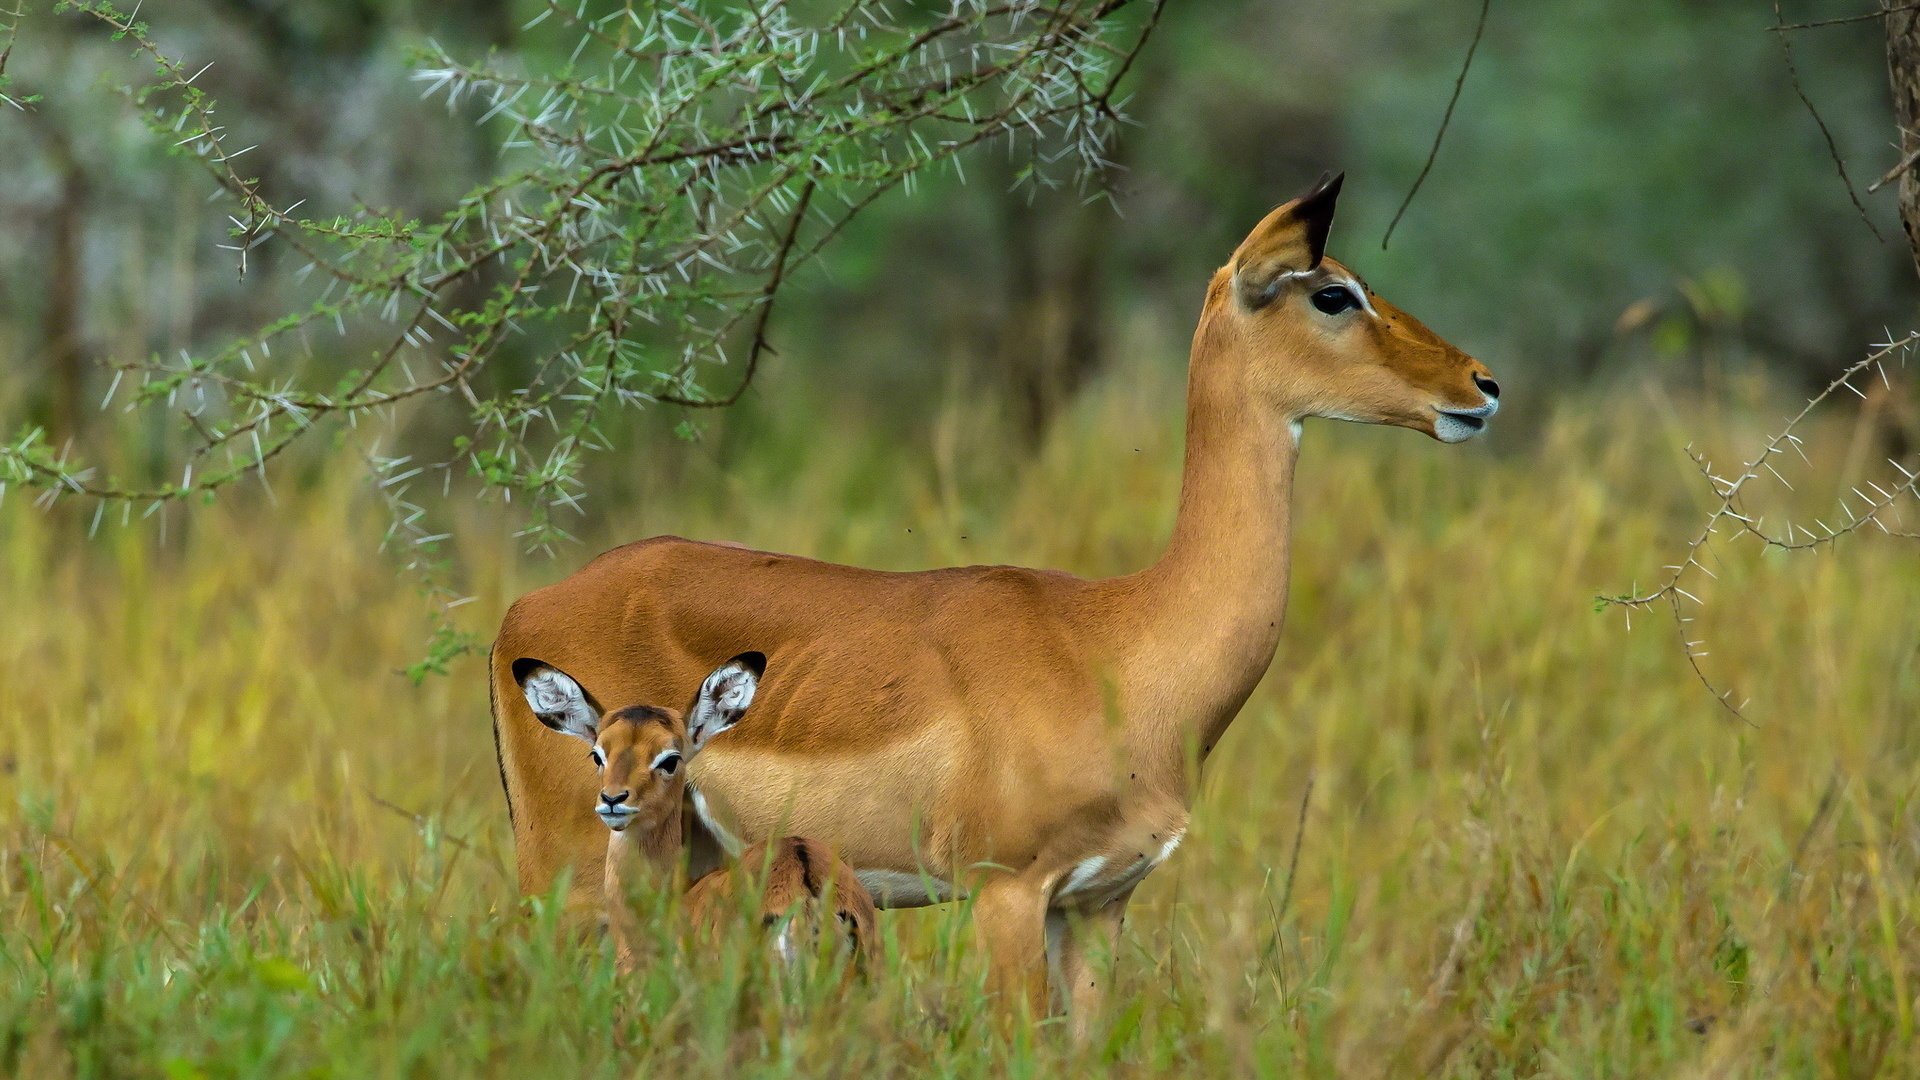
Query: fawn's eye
point(1335, 299)
point(667, 764)
point(599, 760)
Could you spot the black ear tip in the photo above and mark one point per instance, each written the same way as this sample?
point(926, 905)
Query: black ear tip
point(755, 662)
point(1318, 200)
point(526, 666)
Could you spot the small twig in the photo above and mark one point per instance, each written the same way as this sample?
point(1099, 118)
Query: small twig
point(1445, 119)
point(1833, 149)
point(1896, 172)
point(772, 289)
point(1299, 834)
point(1819, 818)
point(1843, 20)
point(1441, 984)
point(419, 820)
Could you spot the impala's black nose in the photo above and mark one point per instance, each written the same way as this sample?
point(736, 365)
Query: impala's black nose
point(614, 800)
point(1487, 386)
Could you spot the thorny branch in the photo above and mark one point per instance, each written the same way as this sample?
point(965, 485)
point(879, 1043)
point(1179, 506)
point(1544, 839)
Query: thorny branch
point(1730, 519)
point(657, 190)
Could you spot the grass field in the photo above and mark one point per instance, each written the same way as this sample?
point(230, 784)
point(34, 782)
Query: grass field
point(236, 842)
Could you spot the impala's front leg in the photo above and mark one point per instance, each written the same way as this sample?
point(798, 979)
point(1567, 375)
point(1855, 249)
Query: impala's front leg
point(1083, 945)
point(1009, 914)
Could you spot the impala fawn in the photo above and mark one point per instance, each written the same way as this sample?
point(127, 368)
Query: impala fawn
point(642, 752)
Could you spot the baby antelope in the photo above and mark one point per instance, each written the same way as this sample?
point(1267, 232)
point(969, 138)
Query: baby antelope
point(642, 753)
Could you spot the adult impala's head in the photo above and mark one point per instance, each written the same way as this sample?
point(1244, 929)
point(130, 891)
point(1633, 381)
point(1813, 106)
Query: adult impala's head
point(1318, 342)
point(641, 750)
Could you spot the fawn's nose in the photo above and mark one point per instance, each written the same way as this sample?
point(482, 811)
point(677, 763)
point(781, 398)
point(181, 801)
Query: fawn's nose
point(1487, 385)
point(615, 798)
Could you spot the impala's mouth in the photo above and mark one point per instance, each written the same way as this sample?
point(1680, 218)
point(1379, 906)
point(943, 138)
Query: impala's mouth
point(617, 817)
point(1459, 425)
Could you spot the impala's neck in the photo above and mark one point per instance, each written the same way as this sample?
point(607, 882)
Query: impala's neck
point(642, 856)
point(1209, 612)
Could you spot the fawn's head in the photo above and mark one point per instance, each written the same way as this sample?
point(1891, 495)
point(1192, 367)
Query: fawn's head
point(1318, 342)
point(641, 750)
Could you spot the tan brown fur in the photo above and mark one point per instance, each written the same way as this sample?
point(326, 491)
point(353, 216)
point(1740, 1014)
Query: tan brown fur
point(800, 883)
point(996, 726)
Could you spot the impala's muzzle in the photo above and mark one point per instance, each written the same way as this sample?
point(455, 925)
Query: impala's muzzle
point(1451, 424)
point(614, 811)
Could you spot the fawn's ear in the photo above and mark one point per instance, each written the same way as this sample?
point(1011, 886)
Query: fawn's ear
point(557, 699)
point(1291, 239)
point(723, 698)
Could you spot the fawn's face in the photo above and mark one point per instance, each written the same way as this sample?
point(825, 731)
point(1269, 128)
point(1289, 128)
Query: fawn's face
point(641, 751)
point(641, 754)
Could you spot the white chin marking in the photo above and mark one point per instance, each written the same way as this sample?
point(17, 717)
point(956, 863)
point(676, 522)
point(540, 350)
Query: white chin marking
point(1452, 429)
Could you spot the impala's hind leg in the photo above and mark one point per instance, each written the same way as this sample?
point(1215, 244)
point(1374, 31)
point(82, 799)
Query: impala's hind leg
point(1009, 914)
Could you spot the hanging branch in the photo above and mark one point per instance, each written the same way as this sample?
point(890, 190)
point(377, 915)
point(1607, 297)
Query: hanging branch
point(1833, 148)
point(1446, 118)
point(656, 192)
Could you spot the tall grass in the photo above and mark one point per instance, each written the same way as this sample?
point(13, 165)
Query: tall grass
point(237, 842)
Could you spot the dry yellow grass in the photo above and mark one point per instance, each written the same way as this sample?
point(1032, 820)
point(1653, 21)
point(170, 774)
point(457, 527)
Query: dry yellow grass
point(1534, 844)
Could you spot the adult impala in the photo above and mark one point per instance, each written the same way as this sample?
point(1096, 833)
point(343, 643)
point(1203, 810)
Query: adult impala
point(1019, 735)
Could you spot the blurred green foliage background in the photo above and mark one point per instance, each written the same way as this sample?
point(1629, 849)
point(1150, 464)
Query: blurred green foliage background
point(235, 841)
point(1650, 160)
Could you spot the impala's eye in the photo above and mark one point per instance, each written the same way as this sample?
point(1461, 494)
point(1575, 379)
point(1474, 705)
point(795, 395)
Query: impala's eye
point(1335, 299)
point(667, 764)
point(599, 761)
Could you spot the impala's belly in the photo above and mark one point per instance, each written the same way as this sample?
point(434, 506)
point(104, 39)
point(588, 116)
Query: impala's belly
point(884, 811)
point(894, 889)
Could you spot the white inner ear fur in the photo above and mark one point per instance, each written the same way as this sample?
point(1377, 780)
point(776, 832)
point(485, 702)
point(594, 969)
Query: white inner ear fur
point(724, 697)
point(559, 701)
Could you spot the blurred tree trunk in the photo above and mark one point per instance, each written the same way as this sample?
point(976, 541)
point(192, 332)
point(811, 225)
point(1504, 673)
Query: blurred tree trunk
point(60, 329)
point(1051, 342)
point(1903, 71)
point(1898, 416)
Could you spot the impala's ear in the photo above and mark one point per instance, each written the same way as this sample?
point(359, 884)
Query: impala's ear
point(1290, 239)
point(723, 698)
point(557, 699)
